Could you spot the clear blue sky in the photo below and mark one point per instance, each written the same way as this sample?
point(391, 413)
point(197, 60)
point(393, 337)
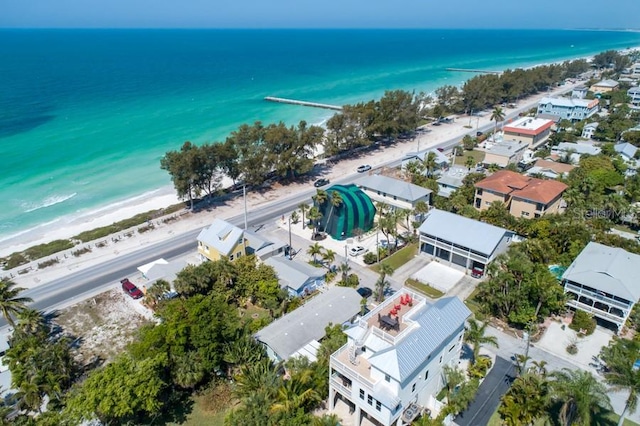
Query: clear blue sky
point(321, 13)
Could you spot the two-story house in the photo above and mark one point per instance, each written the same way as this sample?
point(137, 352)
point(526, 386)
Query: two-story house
point(391, 366)
point(634, 95)
point(505, 152)
point(603, 282)
point(533, 131)
point(523, 196)
point(224, 240)
point(569, 109)
point(459, 241)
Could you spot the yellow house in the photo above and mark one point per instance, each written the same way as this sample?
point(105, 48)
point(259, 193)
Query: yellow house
point(604, 86)
point(222, 240)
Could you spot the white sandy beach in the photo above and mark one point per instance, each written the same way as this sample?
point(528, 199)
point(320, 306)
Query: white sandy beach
point(163, 198)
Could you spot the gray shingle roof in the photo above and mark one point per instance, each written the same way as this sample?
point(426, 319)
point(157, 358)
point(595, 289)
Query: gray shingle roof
point(221, 235)
point(507, 148)
point(293, 273)
point(293, 331)
point(473, 234)
point(436, 324)
point(612, 270)
point(394, 187)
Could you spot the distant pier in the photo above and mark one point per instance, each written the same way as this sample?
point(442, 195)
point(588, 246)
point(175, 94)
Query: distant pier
point(303, 103)
point(473, 70)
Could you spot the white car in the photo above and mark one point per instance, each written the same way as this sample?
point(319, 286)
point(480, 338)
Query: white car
point(357, 250)
point(363, 168)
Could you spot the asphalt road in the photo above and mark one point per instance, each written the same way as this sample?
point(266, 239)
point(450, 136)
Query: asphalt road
point(84, 284)
point(496, 384)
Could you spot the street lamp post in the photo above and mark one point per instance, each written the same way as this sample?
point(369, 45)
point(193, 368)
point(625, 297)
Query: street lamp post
point(377, 246)
point(244, 196)
point(290, 247)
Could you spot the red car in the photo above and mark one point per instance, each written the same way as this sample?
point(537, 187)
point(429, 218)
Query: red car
point(131, 289)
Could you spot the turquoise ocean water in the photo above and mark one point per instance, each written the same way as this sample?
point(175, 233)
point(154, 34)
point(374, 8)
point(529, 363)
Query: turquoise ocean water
point(85, 115)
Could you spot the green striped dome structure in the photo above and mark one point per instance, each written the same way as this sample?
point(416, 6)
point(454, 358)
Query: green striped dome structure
point(355, 212)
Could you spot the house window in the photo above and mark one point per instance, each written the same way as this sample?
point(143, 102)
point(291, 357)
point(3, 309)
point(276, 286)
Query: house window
point(413, 388)
point(230, 257)
point(479, 191)
point(525, 213)
point(451, 348)
point(238, 255)
point(440, 359)
point(387, 378)
point(378, 405)
point(426, 375)
point(369, 400)
point(362, 394)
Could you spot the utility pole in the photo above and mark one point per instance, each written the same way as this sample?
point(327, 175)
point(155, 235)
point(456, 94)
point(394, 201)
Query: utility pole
point(377, 246)
point(244, 195)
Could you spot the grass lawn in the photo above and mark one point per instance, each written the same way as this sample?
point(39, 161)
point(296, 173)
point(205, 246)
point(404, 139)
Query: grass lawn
point(478, 157)
point(198, 416)
point(400, 257)
point(474, 306)
point(423, 288)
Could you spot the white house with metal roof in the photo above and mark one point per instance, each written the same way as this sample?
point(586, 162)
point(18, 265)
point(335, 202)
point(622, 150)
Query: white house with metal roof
point(293, 332)
point(626, 150)
point(634, 96)
point(458, 240)
point(451, 180)
point(442, 161)
point(390, 369)
point(393, 192)
point(296, 277)
point(589, 130)
point(603, 281)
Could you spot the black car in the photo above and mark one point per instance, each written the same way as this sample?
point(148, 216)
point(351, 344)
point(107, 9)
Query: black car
point(365, 292)
point(321, 182)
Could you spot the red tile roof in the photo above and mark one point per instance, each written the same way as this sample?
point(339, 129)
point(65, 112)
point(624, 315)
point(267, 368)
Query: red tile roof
point(516, 185)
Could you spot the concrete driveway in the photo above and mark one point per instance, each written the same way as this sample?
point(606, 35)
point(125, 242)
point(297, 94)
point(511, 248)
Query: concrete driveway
point(487, 400)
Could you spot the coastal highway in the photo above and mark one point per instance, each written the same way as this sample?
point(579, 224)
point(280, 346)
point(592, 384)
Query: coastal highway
point(81, 285)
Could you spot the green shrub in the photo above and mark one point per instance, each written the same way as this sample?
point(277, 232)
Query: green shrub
point(572, 349)
point(47, 263)
point(44, 250)
point(370, 258)
point(15, 260)
point(479, 369)
point(352, 281)
point(583, 321)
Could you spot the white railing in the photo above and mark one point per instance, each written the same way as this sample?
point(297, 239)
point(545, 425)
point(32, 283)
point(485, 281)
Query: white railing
point(349, 372)
point(602, 314)
point(336, 383)
point(595, 296)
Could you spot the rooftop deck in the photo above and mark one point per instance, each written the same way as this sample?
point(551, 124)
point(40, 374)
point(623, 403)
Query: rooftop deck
point(392, 317)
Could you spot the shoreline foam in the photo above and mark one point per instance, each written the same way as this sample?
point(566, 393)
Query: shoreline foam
point(70, 225)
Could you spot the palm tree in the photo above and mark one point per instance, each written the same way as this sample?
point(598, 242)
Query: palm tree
point(336, 201)
point(304, 207)
point(31, 321)
point(326, 420)
point(474, 335)
point(30, 395)
point(385, 270)
point(344, 269)
point(620, 358)
point(320, 197)
point(430, 163)
point(296, 392)
point(314, 251)
point(10, 303)
point(328, 256)
point(188, 370)
point(156, 292)
point(496, 115)
point(314, 216)
point(581, 395)
point(258, 377)
point(470, 162)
